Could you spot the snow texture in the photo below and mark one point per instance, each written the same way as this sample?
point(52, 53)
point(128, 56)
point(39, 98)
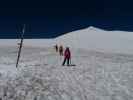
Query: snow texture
point(101, 73)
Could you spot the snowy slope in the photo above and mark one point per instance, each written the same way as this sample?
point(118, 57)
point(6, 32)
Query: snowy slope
point(96, 76)
point(96, 39)
point(40, 76)
point(90, 38)
point(27, 42)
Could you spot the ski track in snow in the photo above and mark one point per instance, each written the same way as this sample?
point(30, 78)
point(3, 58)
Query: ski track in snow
point(40, 76)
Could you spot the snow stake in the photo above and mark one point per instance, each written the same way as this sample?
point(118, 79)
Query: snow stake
point(20, 45)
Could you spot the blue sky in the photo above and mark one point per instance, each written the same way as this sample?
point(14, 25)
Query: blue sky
point(47, 19)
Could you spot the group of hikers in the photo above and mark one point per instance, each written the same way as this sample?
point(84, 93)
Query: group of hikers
point(66, 53)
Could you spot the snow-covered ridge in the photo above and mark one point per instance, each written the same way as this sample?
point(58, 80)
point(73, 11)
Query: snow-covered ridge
point(90, 38)
point(97, 39)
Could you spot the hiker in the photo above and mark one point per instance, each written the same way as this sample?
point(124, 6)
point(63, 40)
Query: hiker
point(61, 50)
point(67, 57)
point(56, 47)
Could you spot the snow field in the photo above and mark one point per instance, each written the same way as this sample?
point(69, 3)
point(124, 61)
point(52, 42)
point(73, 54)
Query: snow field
point(103, 71)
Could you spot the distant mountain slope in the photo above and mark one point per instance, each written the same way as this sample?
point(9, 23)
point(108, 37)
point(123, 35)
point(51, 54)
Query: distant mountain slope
point(96, 39)
point(90, 38)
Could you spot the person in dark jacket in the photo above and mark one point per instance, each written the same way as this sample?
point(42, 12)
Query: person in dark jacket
point(67, 57)
point(61, 50)
point(56, 47)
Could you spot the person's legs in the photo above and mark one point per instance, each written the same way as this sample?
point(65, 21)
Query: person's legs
point(56, 49)
point(68, 61)
point(64, 62)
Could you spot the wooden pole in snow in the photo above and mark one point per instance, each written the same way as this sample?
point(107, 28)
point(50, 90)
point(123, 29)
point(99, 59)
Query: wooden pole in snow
point(20, 47)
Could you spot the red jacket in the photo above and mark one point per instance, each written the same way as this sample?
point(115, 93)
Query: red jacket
point(67, 53)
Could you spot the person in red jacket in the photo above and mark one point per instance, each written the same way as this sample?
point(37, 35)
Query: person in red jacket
point(67, 57)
